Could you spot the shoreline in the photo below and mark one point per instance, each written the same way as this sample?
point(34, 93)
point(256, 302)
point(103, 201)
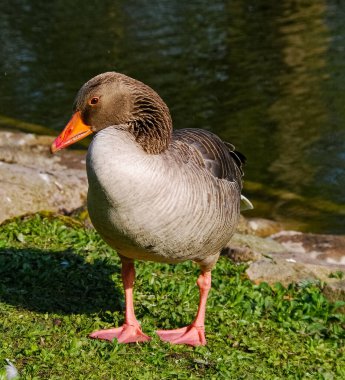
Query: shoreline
point(34, 181)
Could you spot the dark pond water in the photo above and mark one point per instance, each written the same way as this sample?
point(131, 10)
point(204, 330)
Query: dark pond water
point(268, 75)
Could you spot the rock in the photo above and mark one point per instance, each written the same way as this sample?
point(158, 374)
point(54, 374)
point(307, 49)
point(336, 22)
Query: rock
point(292, 257)
point(279, 268)
point(329, 249)
point(264, 227)
point(258, 226)
point(32, 179)
point(244, 247)
point(302, 257)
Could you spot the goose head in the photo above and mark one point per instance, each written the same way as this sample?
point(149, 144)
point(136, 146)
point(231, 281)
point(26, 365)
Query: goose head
point(113, 99)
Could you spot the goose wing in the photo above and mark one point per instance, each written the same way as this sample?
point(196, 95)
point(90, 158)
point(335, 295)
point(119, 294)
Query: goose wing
point(210, 152)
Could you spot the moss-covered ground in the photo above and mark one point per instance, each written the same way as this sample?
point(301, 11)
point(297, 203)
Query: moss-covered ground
point(59, 282)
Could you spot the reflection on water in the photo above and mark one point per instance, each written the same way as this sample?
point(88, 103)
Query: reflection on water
point(299, 113)
point(268, 76)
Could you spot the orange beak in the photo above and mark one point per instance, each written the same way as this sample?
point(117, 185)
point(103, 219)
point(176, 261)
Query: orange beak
point(74, 131)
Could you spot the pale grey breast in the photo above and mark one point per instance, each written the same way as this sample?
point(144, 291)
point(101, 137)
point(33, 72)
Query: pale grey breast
point(177, 205)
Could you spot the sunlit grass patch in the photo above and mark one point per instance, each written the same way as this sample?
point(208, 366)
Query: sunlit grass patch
point(59, 282)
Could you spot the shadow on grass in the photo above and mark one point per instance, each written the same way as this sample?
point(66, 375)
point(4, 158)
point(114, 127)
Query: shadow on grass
point(57, 282)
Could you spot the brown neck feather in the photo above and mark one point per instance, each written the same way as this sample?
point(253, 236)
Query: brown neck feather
point(151, 123)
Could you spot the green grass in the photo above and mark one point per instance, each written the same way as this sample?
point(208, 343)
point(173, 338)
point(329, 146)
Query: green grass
point(59, 282)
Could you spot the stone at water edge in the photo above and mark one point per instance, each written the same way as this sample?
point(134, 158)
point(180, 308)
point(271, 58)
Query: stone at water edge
point(32, 180)
point(258, 226)
point(281, 268)
point(246, 247)
point(307, 257)
point(318, 248)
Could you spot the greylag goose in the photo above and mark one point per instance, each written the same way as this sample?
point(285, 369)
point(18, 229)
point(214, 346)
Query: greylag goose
point(154, 194)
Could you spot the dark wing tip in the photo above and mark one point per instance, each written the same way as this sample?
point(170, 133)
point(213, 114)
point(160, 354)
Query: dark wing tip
point(239, 158)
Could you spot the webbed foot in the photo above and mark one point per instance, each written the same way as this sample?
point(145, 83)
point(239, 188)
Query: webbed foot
point(192, 335)
point(124, 334)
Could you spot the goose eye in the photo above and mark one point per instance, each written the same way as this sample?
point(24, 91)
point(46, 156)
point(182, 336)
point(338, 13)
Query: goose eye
point(93, 101)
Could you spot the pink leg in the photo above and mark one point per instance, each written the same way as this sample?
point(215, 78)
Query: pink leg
point(193, 334)
point(130, 331)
